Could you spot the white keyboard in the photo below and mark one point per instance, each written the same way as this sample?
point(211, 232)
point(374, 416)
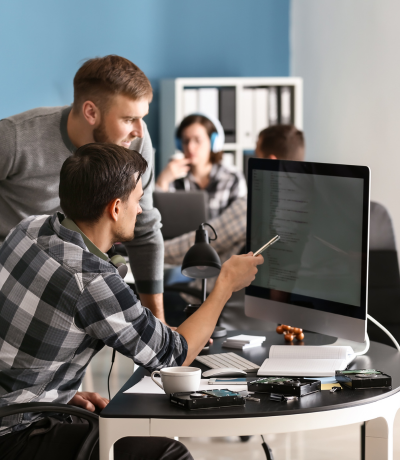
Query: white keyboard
point(227, 360)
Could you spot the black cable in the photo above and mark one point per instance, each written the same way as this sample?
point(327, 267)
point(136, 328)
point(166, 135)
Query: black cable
point(108, 380)
point(267, 449)
point(213, 229)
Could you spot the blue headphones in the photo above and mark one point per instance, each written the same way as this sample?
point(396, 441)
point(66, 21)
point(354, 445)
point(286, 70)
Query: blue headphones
point(217, 139)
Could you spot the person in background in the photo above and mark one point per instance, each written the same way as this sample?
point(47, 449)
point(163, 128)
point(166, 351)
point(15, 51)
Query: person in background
point(111, 97)
point(282, 142)
point(201, 138)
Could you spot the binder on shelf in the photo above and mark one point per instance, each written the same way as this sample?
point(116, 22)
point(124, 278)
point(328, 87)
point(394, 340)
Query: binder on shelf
point(247, 117)
point(228, 159)
point(190, 101)
point(227, 111)
point(260, 107)
point(273, 111)
point(208, 101)
point(286, 105)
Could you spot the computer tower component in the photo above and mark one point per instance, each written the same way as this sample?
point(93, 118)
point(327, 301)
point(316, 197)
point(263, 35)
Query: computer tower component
point(212, 398)
point(285, 386)
point(361, 379)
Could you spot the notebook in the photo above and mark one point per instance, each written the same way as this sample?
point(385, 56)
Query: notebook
point(306, 361)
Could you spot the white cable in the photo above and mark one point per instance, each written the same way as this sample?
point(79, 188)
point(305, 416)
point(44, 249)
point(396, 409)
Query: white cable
point(367, 343)
point(385, 331)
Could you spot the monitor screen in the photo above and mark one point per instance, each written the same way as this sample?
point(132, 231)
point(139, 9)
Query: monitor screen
point(321, 213)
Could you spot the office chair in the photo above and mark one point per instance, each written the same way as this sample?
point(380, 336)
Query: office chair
point(92, 437)
point(384, 276)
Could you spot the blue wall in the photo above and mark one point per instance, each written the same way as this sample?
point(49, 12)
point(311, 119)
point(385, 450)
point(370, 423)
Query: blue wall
point(43, 43)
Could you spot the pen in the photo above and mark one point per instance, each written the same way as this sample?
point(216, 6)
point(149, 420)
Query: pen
point(270, 243)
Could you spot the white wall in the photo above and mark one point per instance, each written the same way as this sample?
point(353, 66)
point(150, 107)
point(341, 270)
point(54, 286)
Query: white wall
point(348, 52)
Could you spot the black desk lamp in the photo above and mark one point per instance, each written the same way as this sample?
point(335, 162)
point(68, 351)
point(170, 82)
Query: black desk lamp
point(202, 261)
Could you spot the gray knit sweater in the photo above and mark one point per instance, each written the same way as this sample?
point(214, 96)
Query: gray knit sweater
point(33, 147)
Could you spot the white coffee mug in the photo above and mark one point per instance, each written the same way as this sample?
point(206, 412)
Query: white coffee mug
point(178, 379)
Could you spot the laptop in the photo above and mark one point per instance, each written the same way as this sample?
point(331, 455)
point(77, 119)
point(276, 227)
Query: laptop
point(181, 212)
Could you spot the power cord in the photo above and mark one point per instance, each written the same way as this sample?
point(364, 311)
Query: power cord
point(267, 449)
point(367, 344)
point(109, 374)
point(213, 229)
point(396, 344)
point(367, 341)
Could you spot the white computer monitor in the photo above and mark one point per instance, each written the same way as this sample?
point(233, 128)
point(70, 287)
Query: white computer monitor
point(316, 276)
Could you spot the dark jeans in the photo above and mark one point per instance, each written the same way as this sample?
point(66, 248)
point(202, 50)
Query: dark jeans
point(51, 439)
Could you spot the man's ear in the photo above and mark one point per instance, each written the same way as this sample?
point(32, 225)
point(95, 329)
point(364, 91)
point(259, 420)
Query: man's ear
point(114, 209)
point(91, 112)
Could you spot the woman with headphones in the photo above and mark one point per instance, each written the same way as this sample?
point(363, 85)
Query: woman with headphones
point(201, 138)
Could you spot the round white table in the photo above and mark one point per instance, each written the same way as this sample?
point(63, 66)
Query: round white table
point(153, 415)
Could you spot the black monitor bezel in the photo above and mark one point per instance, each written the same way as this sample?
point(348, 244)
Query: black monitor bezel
point(323, 169)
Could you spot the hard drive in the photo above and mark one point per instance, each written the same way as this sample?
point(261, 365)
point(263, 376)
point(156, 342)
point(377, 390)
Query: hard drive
point(207, 399)
point(361, 379)
point(285, 386)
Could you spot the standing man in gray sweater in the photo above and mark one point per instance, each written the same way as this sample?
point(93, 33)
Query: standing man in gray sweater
point(111, 97)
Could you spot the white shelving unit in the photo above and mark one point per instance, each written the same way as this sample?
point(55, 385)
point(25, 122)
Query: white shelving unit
point(172, 108)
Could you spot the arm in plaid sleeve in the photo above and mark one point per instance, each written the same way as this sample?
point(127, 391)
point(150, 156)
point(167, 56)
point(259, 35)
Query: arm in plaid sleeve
point(108, 310)
point(230, 227)
point(239, 188)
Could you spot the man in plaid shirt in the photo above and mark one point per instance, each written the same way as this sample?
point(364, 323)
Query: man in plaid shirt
point(61, 301)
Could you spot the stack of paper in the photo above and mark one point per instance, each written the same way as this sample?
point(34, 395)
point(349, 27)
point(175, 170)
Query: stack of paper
point(243, 342)
point(306, 361)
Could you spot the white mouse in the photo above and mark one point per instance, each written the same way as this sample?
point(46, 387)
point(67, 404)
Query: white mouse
point(224, 372)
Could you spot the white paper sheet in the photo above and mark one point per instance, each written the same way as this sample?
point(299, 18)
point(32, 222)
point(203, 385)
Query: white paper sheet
point(147, 386)
point(301, 367)
point(310, 352)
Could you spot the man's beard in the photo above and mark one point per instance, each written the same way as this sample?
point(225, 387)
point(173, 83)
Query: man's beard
point(120, 237)
point(100, 134)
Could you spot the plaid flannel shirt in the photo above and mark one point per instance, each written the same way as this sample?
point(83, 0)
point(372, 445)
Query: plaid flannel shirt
point(226, 185)
point(59, 305)
point(231, 230)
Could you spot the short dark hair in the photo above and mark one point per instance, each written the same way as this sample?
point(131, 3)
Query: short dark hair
point(100, 78)
point(95, 175)
point(208, 125)
point(283, 141)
